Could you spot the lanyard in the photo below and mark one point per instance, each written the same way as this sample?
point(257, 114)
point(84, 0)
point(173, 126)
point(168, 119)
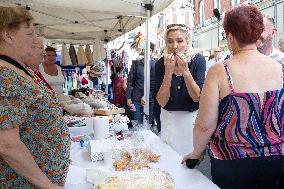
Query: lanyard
point(38, 77)
point(14, 63)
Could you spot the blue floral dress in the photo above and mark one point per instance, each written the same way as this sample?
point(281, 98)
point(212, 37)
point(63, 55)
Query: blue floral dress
point(38, 115)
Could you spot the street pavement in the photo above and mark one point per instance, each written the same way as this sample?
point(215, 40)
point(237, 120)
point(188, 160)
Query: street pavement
point(205, 166)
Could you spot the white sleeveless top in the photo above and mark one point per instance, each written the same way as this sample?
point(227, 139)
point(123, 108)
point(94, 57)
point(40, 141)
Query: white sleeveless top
point(56, 82)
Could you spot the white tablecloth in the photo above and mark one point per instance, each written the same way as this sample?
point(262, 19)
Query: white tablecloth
point(183, 177)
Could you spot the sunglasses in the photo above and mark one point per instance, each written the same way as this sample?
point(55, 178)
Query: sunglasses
point(174, 25)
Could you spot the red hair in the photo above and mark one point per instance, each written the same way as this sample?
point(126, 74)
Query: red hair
point(245, 23)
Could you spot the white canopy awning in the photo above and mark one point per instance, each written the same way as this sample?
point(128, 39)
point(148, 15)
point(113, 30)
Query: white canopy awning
point(87, 20)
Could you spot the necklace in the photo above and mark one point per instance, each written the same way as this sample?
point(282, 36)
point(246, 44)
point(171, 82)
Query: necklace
point(36, 76)
point(179, 81)
point(40, 80)
point(14, 63)
point(243, 51)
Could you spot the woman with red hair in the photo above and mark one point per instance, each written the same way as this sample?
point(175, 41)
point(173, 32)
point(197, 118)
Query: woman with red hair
point(241, 110)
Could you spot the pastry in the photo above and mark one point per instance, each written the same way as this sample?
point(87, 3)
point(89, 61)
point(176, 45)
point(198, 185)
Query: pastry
point(126, 156)
point(120, 165)
point(138, 159)
point(154, 157)
point(142, 179)
point(137, 166)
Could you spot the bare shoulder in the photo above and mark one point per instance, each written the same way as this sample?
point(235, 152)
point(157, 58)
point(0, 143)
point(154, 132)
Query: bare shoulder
point(217, 80)
point(216, 72)
point(58, 67)
point(267, 59)
point(6, 64)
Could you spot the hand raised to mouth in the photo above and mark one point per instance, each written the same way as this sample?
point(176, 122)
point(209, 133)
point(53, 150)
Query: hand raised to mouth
point(169, 61)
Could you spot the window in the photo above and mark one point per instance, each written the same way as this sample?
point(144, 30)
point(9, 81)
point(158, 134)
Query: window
point(217, 4)
point(181, 17)
point(235, 2)
point(255, 1)
point(201, 12)
point(161, 21)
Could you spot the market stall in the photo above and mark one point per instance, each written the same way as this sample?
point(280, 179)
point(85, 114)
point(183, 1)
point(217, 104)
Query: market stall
point(97, 22)
point(93, 22)
point(183, 178)
point(103, 148)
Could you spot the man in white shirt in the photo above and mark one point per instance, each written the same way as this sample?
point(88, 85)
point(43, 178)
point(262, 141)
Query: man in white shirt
point(265, 43)
point(281, 44)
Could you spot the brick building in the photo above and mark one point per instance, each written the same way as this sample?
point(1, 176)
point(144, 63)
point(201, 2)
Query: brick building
point(204, 8)
point(177, 13)
point(206, 33)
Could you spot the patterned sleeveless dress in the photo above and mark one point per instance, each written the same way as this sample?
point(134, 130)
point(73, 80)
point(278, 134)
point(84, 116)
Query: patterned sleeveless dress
point(247, 146)
point(249, 125)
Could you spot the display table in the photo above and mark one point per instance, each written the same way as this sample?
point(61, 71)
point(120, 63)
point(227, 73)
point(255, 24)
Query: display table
point(183, 177)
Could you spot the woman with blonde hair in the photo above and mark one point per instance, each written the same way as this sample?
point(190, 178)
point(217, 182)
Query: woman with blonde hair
point(179, 80)
point(34, 140)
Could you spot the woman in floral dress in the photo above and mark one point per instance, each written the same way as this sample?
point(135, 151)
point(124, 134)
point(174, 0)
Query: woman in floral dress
point(34, 140)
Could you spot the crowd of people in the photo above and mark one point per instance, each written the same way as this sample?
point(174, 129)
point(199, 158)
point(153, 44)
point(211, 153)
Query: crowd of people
point(232, 105)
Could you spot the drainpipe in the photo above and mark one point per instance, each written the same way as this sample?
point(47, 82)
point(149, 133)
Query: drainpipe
point(275, 17)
